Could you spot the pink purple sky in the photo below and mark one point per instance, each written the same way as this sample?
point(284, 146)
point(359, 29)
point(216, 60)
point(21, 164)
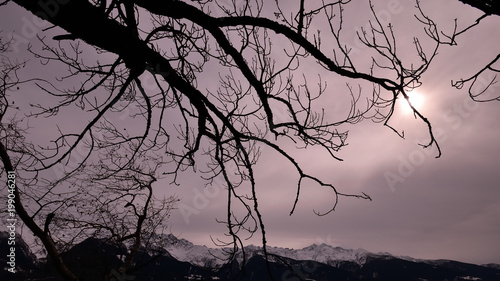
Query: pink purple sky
point(422, 206)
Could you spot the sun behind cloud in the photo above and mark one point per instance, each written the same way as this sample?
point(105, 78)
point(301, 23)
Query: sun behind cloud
point(415, 98)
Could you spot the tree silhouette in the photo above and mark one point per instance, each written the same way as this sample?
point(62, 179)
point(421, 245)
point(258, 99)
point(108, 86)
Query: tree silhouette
point(109, 198)
point(489, 7)
point(265, 95)
point(478, 93)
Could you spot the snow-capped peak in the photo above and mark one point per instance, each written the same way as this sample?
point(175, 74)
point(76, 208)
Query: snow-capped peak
point(317, 252)
point(184, 250)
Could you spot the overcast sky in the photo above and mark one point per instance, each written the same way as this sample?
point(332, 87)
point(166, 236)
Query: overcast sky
point(434, 208)
point(422, 206)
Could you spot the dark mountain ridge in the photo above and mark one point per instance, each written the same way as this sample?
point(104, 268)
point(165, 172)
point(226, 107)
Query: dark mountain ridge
point(95, 259)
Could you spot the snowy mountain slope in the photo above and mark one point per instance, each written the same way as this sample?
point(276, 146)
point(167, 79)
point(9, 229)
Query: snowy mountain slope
point(184, 250)
point(317, 252)
point(215, 258)
point(93, 259)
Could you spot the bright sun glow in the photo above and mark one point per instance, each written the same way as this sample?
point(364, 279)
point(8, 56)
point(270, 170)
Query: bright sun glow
point(416, 99)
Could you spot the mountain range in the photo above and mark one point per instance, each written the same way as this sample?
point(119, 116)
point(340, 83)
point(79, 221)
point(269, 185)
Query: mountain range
point(94, 259)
